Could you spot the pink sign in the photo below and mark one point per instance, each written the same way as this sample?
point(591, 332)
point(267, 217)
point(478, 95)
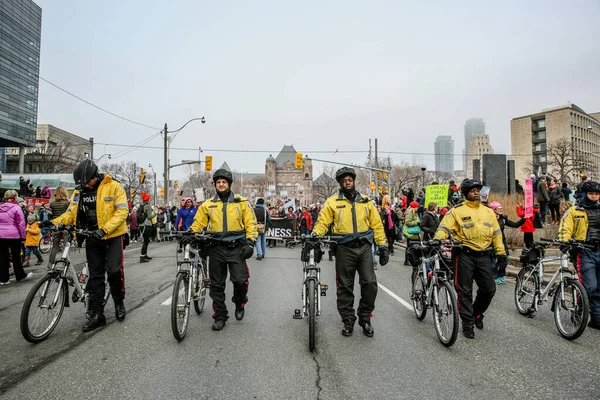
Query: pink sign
point(528, 189)
point(36, 202)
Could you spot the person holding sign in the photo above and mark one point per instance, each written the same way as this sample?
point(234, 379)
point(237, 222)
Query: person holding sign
point(476, 227)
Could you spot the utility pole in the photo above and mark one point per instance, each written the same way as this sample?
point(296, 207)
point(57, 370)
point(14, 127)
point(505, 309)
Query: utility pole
point(389, 178)
point(92, 150)
point(166, 166)
point(376, 166)
point(369, 157)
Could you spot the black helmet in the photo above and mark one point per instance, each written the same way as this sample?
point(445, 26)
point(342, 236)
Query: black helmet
point(84, 171)
point(222, 173)
point(468, 184)
point(590, 186)
point(344, 171)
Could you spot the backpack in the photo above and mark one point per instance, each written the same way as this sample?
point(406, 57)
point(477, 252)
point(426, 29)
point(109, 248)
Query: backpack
point(141, 214)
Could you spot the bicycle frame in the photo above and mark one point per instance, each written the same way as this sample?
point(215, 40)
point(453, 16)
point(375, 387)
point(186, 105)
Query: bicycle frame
point(557, 278)
point(430, 295)
point(192, 270)
point(311, 272)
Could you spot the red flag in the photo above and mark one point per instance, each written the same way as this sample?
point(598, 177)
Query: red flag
point(336, 150)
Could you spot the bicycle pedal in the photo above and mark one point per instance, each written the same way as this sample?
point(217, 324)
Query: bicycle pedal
point(324, 289)
point(297, 314)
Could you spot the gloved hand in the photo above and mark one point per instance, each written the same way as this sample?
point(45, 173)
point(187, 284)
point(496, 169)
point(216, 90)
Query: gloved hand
point(564, 248)
point(314, 235)
point(45, 224)
point(501, 263)
point(99, 233)
point(248, 249)
point(384, 255)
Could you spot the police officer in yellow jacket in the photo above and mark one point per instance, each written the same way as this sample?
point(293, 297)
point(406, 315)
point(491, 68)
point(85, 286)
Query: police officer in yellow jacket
point(232, 225)
point(582, 222)
point(100, 204)
point(356, 219)
point(476, 226)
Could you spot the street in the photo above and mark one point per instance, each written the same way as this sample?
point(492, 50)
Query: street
point(266, 356)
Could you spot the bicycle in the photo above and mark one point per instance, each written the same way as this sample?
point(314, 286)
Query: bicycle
point(312, 288)
point(191, 282)
point(570, 305)
point(45, 243)
point(431, 289)
point(50, 295)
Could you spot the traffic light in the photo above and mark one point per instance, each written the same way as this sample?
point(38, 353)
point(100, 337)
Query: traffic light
point(372, 185)
point(162, 192)
point(385, 176)
point(298, 160)
point(381, 189)
point(176, 185)
point(142, 176)
point(208, 164)
point(131, 192)
point(378, 174)
point(179, 193)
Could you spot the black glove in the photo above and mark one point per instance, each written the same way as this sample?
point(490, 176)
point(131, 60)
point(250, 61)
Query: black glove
point(248, 249)
point(501, 263)
point(384, 255)
point(45, 224)
point(99, 233)
point(564, 248)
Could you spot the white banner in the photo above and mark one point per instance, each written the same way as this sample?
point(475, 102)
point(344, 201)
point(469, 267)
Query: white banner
point(288, 204)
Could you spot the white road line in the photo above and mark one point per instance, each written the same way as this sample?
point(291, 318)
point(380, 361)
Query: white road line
point(395, 296)
point(167, 302)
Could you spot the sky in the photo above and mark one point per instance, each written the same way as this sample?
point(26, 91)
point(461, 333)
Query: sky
point(320, 75)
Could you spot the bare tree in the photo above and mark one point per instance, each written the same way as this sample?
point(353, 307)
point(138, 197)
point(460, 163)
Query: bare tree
point(404, 176)
point(128, 174)
point(55, 156)
point(563, 161)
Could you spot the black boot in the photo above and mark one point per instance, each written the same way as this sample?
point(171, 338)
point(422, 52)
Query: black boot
point(96, 321)
point(367, 328)
point(348, 328)
point(120, 311)
point(594, 323)
point(468, 331)
point(239, 314)
point(147, 258)
point(143, 259)
point(479, 321)
point(218, 325)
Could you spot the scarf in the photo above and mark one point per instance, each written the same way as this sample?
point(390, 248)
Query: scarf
point(389, 214)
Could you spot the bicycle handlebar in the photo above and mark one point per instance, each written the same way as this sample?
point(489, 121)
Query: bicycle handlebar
point(580, 244)
point(71, 229)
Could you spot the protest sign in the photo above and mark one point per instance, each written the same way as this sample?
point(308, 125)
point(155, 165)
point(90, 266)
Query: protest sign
point(437, 194)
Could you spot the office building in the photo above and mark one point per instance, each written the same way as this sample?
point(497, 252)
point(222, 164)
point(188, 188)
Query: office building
point(473, 126)
point(444, 154)
point(531, 136)
point(20, 36)
point(478, 146)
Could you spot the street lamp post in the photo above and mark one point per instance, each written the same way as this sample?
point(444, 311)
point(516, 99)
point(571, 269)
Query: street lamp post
point(154, 192)
point(423, 169)
point(166, 153)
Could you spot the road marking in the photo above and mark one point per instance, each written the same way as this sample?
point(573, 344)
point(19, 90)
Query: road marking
point(395, 296)
point(167, 302)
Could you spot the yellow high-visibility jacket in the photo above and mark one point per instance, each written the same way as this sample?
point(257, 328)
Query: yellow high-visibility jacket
point(573, 225)
point(475, 225)
point(229, 221)
point(111, 209)
point(353, 220)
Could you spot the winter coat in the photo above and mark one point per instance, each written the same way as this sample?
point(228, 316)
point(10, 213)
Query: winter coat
point(429, 224)
point(566, 193)
point(389, 231)
point(46, 192)
point(133, 224)
point(24, 188)
point(554, 195)
point(542, 191)
point(528, 222)
point(504, 221)
point(411, 219)
point(33, 235)
point(306, 220)
point(12, 221)
point(58, 207)
point(185, 218)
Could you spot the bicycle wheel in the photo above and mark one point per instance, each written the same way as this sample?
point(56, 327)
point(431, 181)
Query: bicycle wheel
point(201, 287)
point(180, 308)
point(571, 315)
point(39, 315)
point(45, 244)
point(527, 284)
point(311, 298)
point(418, 295)
point(445, 314)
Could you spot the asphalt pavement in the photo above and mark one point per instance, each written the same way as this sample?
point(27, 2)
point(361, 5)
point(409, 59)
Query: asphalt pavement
point(266, 356)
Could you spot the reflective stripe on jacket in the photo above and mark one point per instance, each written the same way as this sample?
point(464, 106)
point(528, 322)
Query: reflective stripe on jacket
point(229, 221)
point(356, 219)
point(475, 225)
point(111, 209)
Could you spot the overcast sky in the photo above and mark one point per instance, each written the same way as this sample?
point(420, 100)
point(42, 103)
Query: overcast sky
point(319, 75)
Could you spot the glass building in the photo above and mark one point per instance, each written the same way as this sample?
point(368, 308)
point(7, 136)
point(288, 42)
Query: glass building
point(20, 35)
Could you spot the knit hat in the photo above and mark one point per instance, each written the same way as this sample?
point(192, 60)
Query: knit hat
point(494, 205)
point(414, 204)
point(444, 211)
point(145, 196)
point(30, 219)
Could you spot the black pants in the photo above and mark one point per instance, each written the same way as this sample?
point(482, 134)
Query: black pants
point(528, 239)
point(391, 239)
point(146, 235)
point(543, 210)
point(15, 250)
point(349, 261)
point(473, 266)
point(408, 242)
point(104, 256)
point(555, 211)
point(221, 258)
